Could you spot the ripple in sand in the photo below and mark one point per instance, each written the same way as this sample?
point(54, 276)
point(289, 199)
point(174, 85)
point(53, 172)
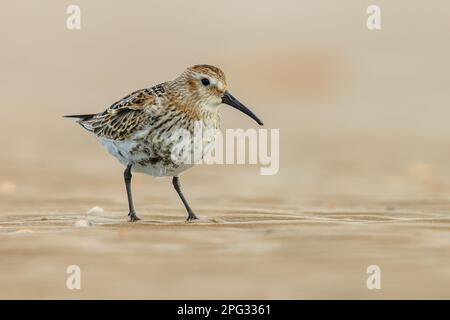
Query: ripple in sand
point(83, 223)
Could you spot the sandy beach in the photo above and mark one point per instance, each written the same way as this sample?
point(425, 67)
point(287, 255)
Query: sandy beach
point(364, 175)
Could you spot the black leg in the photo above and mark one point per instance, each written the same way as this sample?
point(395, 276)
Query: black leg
point(127, 175)
point(176, 185)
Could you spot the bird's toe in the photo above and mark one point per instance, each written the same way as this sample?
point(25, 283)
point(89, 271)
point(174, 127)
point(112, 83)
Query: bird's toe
point(133, 218)
point(192, 218)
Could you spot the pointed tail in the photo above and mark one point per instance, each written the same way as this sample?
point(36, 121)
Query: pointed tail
point(82, 117)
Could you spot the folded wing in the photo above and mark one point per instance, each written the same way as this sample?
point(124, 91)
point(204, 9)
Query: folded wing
point(121, 119)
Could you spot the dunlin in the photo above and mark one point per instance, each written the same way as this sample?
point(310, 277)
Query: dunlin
point(138, 130)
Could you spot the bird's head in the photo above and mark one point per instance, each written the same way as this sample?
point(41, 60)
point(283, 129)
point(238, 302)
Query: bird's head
point(205, 87)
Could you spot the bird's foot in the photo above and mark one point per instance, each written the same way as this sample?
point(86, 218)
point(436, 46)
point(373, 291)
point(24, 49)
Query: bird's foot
point(191, 217)
point(132, 217)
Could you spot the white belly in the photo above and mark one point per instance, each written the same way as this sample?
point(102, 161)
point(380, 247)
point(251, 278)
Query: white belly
point(159, 157)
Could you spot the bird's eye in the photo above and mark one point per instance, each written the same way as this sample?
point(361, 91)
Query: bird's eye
point(205, 82)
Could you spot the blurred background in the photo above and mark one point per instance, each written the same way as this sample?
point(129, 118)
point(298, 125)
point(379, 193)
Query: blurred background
point(364, 159)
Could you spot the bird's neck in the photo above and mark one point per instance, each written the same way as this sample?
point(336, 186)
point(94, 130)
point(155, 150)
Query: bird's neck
point(190, 105)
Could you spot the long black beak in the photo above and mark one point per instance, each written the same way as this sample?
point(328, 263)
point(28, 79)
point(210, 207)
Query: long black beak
point(232, 101)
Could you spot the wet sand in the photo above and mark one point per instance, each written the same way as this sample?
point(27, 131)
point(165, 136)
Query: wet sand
point(243, 247)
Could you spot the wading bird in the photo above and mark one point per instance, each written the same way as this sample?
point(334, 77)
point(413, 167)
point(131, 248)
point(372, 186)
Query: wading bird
point(139, 129)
